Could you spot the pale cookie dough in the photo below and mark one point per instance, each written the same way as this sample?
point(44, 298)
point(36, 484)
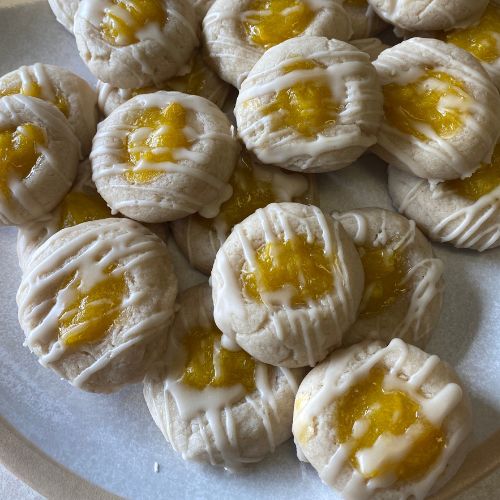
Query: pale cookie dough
point(196, 79)
point(419, 15)
point(71, 94)
point(286, 285)
point(65, 11)
point(190, 171)
point(403, 280)
point(237, 33)
point(364, 21)
point(440, 108)
point(96, 302)
point(372, 46)
point(457, 212)
point(38, 158)
point(131, 51)
point(254, 186)
point(228, 410)
point(383, 422)
point(310, 104)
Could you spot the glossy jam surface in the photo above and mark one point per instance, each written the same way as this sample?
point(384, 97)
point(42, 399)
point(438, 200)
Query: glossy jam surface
point(78, 207)
point(307, 107)
point(482, 182)
point(270, 22)
point(385, 272)
point(481, 39)
point(126, 18)
point(208, 364)
point(383, 415)
point(291, 272)
point(434, 100)
point(91, 312)
point(19, 153)
point(156, 134)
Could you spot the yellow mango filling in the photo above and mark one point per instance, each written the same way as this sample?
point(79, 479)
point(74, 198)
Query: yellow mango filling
point(307, 107)
point(436, 99)
point(78, 207)
point(296, 270)
point(387, 414)
point(481, 39)
point(385, 271)
point(19, 153)
point(157, 144)
point(126, 18)
point(208, 364)
point(91, 312)
point(482, 182)
point(270, 22)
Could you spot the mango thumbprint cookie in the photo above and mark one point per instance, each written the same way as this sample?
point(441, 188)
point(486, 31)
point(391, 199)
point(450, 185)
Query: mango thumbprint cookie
point(163, 156)
point(440, 108)
point(429, 14)
point(403, 280)
point(65, 11)
point(382, 422)
point(213, 404)
point(310, 104)
point(372, 46)
point(236, 34)
point(135, 43)
point(254, 186)
point(286, 284)
point(38, 158)
point(72, 95)
point(201, 7)
point(196, 78)
point(462, 212)
point(364, 21)
point(96, 301)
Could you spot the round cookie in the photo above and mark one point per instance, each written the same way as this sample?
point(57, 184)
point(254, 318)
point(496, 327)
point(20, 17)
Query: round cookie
point(286, 284)
point(403, 280)
point(310, 104)
point(38, 158)
point(132, 45)
point(197, 79)
point(429, 15)
point(65, 11)
point(237, 33)
point(440, 109)
point(215, 405)
point(464, 213)
point(93, 306)
point(254, 186)
point(383, 422)
point(71, 94)
point(372, 46)
point(364, 21)
point(163, 156)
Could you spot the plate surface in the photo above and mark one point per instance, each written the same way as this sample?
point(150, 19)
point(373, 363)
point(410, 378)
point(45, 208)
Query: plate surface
point(112, 441)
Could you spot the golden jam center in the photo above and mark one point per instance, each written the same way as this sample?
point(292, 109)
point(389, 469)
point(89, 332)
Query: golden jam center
point(482, 182)
point(385, 273)
point(481, 39)
point(294, 271)
point(307, 107)
point(208, 364)
point(125, 18)
point(91, 312)
point(78, 207)
point(270, 22)
point(155, 136)
point(435, 100)
point(368, 418)
point(19, 153)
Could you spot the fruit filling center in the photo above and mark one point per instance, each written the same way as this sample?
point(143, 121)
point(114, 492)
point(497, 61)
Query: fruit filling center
point(78, 207)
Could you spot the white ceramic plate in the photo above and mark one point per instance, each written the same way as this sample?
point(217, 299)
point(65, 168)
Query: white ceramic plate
point(112, 442)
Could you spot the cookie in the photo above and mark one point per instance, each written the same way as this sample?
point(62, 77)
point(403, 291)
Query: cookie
point(201, 7)
point(310, 104)
point(286, 284)
point(364, 21)
point(65, 11)
point(212, 404)
point(440, 110)
point(163, 156)
point(372, 46)
point(92, 305)
point(237, 33)
point(403, 280)
point(383, 422)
